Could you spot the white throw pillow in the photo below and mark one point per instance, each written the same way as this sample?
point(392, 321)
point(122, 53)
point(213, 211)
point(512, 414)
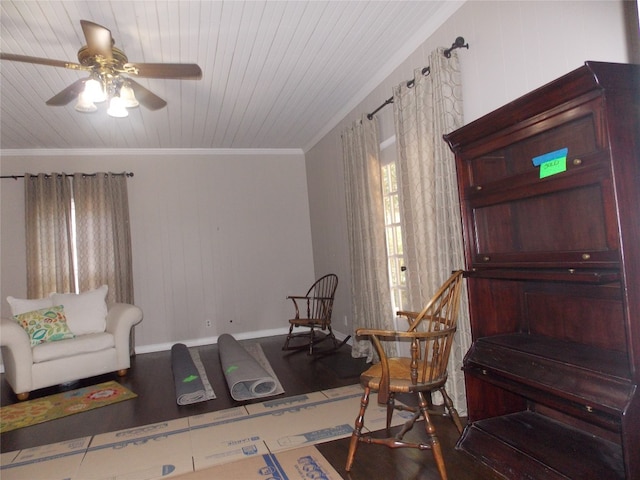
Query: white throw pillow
point(86, 312)
point(23, 305)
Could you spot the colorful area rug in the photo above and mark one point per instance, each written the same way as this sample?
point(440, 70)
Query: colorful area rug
point(39, 410)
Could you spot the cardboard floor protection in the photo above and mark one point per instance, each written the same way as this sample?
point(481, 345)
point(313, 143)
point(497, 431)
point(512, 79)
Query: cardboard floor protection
point(55, 461)
point(260, 432)
point(298, 464)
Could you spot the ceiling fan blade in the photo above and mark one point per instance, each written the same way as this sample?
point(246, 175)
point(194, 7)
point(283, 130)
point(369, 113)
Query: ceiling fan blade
point(40, 61)
point(99, 40)
point(146, 97)
point(167, 70)
point(68, 94)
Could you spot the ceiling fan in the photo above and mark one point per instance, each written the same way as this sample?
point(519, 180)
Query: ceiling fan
point(109, 75)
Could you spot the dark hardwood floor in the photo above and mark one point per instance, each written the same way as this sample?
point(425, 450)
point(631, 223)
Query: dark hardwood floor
point(151, 378)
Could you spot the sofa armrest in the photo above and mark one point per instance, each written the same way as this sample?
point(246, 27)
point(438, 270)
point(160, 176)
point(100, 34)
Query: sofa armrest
point(17, 357)
point(121, 318)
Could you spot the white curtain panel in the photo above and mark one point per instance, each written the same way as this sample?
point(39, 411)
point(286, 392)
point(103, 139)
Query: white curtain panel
point(367, 245)
point(429, 204)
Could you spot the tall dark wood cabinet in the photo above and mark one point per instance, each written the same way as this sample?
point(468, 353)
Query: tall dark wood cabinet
point(550, 197)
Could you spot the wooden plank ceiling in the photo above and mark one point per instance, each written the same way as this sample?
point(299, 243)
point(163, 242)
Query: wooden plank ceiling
point(276, 74)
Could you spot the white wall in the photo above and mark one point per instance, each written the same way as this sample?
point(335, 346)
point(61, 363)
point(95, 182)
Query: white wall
point(221, 236)
point(515, 47)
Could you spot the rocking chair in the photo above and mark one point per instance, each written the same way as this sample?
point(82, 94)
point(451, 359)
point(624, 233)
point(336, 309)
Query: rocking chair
point(431, 334)
point(313, 311)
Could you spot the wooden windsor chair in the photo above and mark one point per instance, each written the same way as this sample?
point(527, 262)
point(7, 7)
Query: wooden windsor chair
point(430, 334)
point(313, 311)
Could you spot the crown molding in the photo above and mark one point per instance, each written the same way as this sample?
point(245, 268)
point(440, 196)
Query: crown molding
point(79, 152)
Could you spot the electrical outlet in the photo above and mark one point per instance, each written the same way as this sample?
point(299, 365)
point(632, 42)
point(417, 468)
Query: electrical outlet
point(207, 323)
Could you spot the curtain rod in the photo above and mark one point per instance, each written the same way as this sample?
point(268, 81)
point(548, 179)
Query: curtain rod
point(15, 177)
point(459, 43)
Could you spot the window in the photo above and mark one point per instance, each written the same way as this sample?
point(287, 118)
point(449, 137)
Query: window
point(74, 245)
point(393, 229)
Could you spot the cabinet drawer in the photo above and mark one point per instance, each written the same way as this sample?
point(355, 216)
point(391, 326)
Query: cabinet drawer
point(576, 128)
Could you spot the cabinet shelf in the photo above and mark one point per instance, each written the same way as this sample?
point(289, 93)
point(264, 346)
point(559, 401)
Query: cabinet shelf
point(593, 383)
point(513, 443)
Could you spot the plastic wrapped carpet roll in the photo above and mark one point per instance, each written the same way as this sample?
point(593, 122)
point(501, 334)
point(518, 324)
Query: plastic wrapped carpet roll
point(245, 376)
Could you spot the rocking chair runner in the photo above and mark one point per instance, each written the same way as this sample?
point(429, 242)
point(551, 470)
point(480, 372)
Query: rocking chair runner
point(431, 334)
point(313, 311)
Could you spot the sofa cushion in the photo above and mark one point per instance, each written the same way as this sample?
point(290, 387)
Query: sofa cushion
point(45, 325)
point(89, 343)
point(23, 305)
point(86, 312)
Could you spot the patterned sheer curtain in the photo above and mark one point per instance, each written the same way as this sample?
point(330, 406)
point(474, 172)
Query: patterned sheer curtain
point(428, 189)
point(103, 239)
point(99, 252)
point(367, 244)
point(48, 234)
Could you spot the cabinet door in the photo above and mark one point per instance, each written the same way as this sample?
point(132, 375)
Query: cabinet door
point(519, 217)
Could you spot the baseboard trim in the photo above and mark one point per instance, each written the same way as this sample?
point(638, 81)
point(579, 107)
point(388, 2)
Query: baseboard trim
point(162, 347)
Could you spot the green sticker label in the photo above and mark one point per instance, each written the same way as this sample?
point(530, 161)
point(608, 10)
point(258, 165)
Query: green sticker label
point(231, 368)
point(190, 378)
point(553, 167)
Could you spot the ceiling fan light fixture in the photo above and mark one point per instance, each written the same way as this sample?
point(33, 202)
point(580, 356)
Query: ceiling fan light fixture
point(117, 108)
point(128, 97)
point(84, 104)
point(105, 63)
point(93, 88)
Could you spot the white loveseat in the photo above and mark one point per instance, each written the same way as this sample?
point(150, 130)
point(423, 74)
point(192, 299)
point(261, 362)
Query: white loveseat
point(99, 345)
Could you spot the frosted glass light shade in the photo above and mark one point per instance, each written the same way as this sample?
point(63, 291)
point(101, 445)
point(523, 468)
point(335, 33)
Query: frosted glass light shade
point(117, 108)
point(128, 97)
point(94, 90)
point(85, 104)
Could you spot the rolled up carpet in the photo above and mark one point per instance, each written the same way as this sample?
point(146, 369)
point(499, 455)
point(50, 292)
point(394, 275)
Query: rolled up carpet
point(245, 376)
point(186, 377)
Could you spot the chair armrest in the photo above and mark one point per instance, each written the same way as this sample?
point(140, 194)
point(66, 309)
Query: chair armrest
point(400, 334)
point(383, 390)
point(121, 318)
point(295, 299)
point(309, 300)
point(17, 357)
point(13, 335)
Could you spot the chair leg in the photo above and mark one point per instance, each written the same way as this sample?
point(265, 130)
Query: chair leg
point(289, 336)
point(336, 343)
point(436, 449)
point(391, 403)
point(312, 337)
point(357, 432)
point(453, 413)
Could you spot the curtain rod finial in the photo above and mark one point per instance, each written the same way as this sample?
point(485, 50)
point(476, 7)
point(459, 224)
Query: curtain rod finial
point(459, 43)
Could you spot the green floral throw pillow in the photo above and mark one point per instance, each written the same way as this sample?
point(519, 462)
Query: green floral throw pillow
point(45, 325)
